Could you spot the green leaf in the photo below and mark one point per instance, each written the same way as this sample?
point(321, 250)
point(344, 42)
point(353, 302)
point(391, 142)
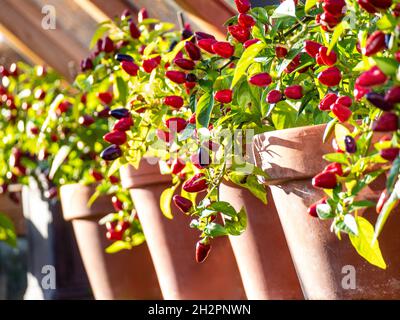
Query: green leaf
point(328, 130)
point(93, 198)
point(204, 109)
point(246, 60)
point(363, 243)
point(215, 230)
point(362, 204)
point(351, 224)
point(165, 201)
point(285, 9)
point(388, 66)
point(7, 231)
point(336, 157)
point(387, 209)
point(223, 207)
point(59, 158)
point(238, 226)
point(393, 174)
point(340, 134)
point(325, 211)
point(121, 90)
point(309, 4)
point(386, 22)
point(98, 34)
point(118, 246)
point(115, 166)
point(171, 55)
point(339, 29)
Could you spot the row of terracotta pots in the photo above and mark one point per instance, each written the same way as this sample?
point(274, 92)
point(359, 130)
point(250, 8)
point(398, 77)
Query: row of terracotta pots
point(284, 253)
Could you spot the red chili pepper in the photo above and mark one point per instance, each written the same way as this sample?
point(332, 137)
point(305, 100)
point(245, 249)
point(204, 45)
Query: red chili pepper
point(328, 59)
point(246, 20)
point(375, 43)
point(105, 97)
point(389, 154)
point(294, 92)
point(202, 251)
point(185, 64)
point(174, 101)
point(123, 124)
point(281, 51)
point(192, 50)
point(206, 45)
point(325, 180)
point(177, 166)
point(312, 47)
point(341, 112)
point(130, 68)
point(150, 64)
point(176, 76)
point(176, 124)
point(393, 95)
point(182, 203)
point(115, 137)
point(312, 210)
point(371, 78)
point(197, 183)
point(327, 101)
point(223, 96)
point(241, 34)
point(223, 49)
point(249, 43)
point(330, 77)
point(274, 96)
point(261, 80)
point(134, 30)
point(345, 100)
point(334, 167)
point(386, 123)
point(243, 6)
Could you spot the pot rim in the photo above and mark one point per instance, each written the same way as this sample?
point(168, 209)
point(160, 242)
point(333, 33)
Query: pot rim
point(147, 174)
point(77, 208)
point(284, 168)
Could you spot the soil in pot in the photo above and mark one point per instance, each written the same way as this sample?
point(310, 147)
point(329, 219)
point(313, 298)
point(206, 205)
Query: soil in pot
point(128, 274)
point(172, 244)
point(261, 252)
point(328, 268)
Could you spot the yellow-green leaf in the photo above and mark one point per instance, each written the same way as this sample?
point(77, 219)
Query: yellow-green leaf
point(363, 243)
point(309, 4)
point(246, 60)
point(340, 134)
point(165, 202)
point(339, 29)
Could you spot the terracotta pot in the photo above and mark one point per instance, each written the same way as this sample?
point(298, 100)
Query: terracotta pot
point(172, 244)
point(13, 210)
point(265, 275)
point(291, 158)
point(123, 275)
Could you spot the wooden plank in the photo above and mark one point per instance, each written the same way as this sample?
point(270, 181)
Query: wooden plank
point(102, 10)
point(214, 13)
point(22, 21)
point(166, 10)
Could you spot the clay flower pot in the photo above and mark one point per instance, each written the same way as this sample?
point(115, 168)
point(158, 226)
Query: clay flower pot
point(123, 275)
point(324, 264)
point(172, 243)
point(266, 275)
